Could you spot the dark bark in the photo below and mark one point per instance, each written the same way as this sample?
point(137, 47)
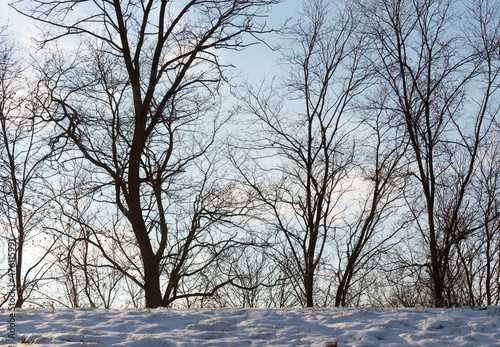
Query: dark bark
point(153, 71)
point(428, 71)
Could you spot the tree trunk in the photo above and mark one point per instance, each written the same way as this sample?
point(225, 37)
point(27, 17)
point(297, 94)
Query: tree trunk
point(437, 282)
point(438, 293)
point(309, 286)
point(152, 290)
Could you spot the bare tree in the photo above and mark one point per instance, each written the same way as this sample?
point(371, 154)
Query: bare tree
point(253, 270)
point(367, 234)
point(490, 240)
point(136, 99)
point(23, 157)
point(478, 259)
point(309, 145)
point(427, 61)
point(82, 277)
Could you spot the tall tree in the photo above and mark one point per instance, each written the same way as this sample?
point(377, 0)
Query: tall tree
point(23, 156)
point(136, 100)
point(489, 205)
point(310, 144)
point(429, 62)
point(367, 236)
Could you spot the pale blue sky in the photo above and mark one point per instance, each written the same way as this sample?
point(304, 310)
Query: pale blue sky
point(255, 62)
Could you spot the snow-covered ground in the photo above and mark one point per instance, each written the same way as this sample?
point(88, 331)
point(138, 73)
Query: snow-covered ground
point(256, 327)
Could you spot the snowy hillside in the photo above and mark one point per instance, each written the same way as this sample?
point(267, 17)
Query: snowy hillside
point(257, 327)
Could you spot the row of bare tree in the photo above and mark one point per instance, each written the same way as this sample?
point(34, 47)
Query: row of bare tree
point(137, 171)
